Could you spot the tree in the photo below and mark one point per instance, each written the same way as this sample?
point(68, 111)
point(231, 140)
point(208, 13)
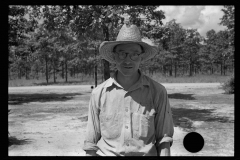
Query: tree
point(44, 49)
point(191, 48)
point(109, 19)
point(161, 37)
point(176, 40)
point(222, 49)
point(228, 20)
point(18, 27)
point(67, 34)
point(211, 48)
point(170, 38)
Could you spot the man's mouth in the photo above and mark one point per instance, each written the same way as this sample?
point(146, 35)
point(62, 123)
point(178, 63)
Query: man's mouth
point(128, 67)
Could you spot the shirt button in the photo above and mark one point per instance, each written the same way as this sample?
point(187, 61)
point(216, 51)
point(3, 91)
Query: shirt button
point(126, 110)
point(126, 127)
point(127, 144)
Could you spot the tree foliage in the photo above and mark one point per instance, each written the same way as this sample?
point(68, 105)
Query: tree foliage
point(63, 40)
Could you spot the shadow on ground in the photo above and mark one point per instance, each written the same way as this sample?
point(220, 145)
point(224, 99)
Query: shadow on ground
point(79, 82)
point(183, 117)
point(181, 96)
point(58, 83)
point(18, 99)
point(84, 118)
point(14, 141)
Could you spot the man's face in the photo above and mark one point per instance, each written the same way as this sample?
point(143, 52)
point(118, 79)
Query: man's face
point(128, 65)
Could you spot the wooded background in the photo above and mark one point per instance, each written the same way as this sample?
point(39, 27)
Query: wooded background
point(63, 40)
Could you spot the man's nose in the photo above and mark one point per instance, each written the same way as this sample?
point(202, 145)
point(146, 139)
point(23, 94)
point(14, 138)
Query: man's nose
point(128, 59)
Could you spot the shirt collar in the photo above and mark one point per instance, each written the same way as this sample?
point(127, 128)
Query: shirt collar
point(141, 82)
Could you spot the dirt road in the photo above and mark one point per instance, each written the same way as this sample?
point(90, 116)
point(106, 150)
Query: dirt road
point(51, 120)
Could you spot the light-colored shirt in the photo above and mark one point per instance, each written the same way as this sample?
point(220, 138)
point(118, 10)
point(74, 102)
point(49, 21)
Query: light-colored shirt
point(128, 123)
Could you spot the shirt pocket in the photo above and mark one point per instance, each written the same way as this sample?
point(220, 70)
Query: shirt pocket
point(143, 125)
point(111, 125)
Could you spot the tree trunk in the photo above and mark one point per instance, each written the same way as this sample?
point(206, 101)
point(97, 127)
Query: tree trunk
point(42, 72)
point(224, 67)
point(95, 68)
point(175, 69)
point(26, 72)
point(95, 75)
point(106, 70)
point(74, 70)
point(221, 69)
point(54, 73)
point(170, 71)
point(183, 66)
point(66, 71)
point(19, 71)
point(106, 63)
point(190, 68)
point(62, 70)
point(37, 73)
point(187, 67)
point(46, 60)
point(195, 70)
point(211, 68)
point(164, 70)
point(9, 76)
point(233, 66)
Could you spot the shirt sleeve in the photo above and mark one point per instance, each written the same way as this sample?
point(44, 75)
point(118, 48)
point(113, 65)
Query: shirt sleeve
point(163, 119)
point(93, 126)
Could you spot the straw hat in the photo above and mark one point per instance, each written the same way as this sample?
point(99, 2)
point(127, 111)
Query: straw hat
point(127, 34)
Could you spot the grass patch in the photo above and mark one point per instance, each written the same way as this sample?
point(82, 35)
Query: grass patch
point(89, 80)
point(18, 99)
point(15, 141)
point(200, 78)
point(228, 86)
point(81, 80)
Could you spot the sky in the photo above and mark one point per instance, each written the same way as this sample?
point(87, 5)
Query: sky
point(202, 18)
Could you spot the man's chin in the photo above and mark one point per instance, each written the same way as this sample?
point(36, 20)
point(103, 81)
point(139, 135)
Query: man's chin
point(127, 73)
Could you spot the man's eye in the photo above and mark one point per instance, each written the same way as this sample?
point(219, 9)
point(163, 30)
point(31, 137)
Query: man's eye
point(122, 53)
point(136, 54)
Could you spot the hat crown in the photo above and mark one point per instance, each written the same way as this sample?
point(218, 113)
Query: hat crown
point(129, 33)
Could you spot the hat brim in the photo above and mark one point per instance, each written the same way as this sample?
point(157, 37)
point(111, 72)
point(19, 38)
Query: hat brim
point(106, 50)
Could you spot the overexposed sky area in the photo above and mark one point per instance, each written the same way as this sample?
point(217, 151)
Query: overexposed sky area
point(202, 18)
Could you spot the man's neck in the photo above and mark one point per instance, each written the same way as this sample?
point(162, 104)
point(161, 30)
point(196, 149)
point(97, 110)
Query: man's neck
point(127, 81)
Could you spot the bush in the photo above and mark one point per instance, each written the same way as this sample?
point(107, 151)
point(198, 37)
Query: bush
point(9, 110)
point(228, 86)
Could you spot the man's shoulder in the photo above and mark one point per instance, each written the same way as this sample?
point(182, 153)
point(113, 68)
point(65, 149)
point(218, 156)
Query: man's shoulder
point(156, 86)
point(101, 86)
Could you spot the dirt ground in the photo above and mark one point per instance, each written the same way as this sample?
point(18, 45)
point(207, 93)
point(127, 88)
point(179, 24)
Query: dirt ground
point(51, 120)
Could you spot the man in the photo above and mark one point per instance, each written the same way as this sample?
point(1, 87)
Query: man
point(129, 114)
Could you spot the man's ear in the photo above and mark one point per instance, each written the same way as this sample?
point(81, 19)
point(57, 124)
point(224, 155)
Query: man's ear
point(113, 56)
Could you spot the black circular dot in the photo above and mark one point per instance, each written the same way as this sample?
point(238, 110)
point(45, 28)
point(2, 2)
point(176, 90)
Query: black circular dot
point(193, 142)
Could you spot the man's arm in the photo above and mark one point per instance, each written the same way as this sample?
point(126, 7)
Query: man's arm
point(91, 153)
point(93, 128)
point(164, 127)
point(164, 149)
